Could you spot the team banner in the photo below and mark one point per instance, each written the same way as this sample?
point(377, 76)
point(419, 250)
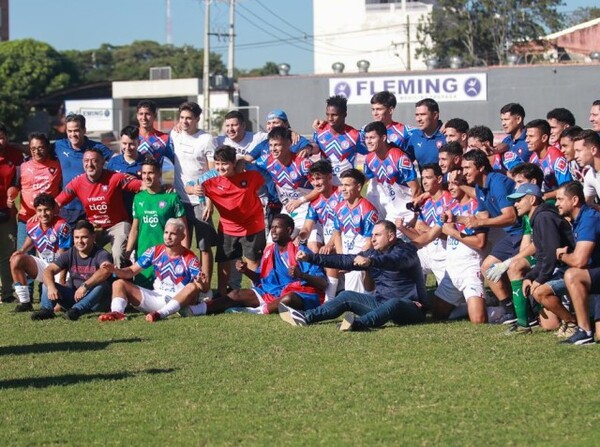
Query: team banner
point(411, 88)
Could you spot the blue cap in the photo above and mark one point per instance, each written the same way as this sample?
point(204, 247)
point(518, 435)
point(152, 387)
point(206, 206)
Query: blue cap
point(277, 114)
point(524, 189)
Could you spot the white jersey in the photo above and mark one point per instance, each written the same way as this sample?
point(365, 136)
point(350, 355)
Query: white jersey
point(244, 146)
point(591, 183)
point(193, 153)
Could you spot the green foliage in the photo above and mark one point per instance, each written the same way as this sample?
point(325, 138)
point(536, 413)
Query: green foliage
point(482, 31)
point(269, 69)
point(133, 62)
point(581, 15)
point(254, 380)
point(29, 69)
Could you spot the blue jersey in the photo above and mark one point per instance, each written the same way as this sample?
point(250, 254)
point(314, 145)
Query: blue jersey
point(71, 162)
point(261, 150)
point(397, 135)
point(423, 148)
point(157, 145)
point(586, 227)
point(555, 167)
point(432, 210)
point(47, 242)
point(493, 197)
point(172, 274)
point(517, 153)
point(119, 164)
point(339, 148)
point(355, 224)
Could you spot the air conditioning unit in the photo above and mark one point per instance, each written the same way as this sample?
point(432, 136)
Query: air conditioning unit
point(158, 73)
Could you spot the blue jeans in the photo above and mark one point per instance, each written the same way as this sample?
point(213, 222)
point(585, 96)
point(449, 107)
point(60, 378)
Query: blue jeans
point(94, 300)
point(372, 312)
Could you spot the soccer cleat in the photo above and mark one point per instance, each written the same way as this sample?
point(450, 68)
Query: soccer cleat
point(7, 299)
point(112, 316)
point(579, 337)
point(42, 314)
point(347, 322)
point(153, 317)
point(566, 329)
point(24, 307)
point(72, 314)
point(291, 316)
point(508, 318)
point(515, 329)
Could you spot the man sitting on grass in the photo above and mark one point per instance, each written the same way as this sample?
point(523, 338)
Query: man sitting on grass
point(174, 266)
point(88, 286)
point(399, 286)
point(281, 279)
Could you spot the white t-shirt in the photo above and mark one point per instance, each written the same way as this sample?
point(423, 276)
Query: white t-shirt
point(244, 146)
point(591, 183)
point(193, 153)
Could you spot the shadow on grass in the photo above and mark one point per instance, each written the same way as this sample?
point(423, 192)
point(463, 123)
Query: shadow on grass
point(74, 379)
point(42, 348)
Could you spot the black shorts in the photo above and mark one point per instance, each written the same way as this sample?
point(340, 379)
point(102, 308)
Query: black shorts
point(595, 280)
point(507, 247)
point(250, 246)
point(206, 235)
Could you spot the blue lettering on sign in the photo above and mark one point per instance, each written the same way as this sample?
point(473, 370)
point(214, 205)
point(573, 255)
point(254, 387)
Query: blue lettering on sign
point(360, 86)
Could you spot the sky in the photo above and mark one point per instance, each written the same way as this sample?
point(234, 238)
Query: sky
point(266, 30)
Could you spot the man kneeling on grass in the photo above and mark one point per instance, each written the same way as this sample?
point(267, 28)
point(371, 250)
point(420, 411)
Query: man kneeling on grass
point(174, 267)
point(281, 279)
point(399, 286)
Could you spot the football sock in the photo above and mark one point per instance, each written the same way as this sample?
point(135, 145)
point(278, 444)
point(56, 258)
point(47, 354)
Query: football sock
point(169, 309)
point(520, 302)
point(508, 306)
point(332, 284)
point(22, 293)
point(118, 304)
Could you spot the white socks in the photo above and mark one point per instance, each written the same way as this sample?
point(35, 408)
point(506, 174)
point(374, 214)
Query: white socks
point(332, 285)
point(198, 309)
point(169, 309)
point(22, 293)
point(118, 304)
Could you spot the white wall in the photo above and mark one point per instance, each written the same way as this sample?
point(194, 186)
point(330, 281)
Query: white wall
point(354, 32)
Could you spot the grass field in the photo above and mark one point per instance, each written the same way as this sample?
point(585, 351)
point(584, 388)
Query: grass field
point(253, 380)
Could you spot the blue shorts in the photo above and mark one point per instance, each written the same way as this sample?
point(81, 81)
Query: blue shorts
point(557, 283)
point(507, 247)
point(595, 278)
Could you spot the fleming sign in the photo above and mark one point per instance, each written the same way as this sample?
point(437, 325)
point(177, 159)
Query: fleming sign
point(408, 89)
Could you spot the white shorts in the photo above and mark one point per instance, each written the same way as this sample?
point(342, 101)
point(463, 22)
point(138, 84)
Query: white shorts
point(468, 284)
point(431, 265)
point(152, 300)
point(316, 234)
point(355, 281)
point(41, 266)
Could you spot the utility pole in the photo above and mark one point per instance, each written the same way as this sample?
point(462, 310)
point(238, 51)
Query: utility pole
point(230, 55)
point(206, 68)
point(408, 42)
point(169, 33)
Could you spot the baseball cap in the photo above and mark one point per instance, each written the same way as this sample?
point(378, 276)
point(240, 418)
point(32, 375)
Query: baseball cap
point(277, 114)
point(524, 189)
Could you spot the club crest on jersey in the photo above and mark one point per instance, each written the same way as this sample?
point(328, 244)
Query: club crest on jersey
point(561, 166)
point(356, 219)
point(179, 269)
point(439, 144)
point(293, 175)
point(156, 145)
point(345, 144)
point(104, 188)
point(52, 238)
point(510, 156)
point(389, 170)
point(405, 162)
point(162, 204)
point(439, 210)
point(393, 138)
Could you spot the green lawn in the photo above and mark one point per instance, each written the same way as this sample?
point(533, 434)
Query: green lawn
point(253, 380)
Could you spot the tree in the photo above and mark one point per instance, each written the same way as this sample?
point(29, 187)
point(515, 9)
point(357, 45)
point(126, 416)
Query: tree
point(581, 15)
point(484, 30)
point(269, 69)
point(133, 62)
point(29, 69)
